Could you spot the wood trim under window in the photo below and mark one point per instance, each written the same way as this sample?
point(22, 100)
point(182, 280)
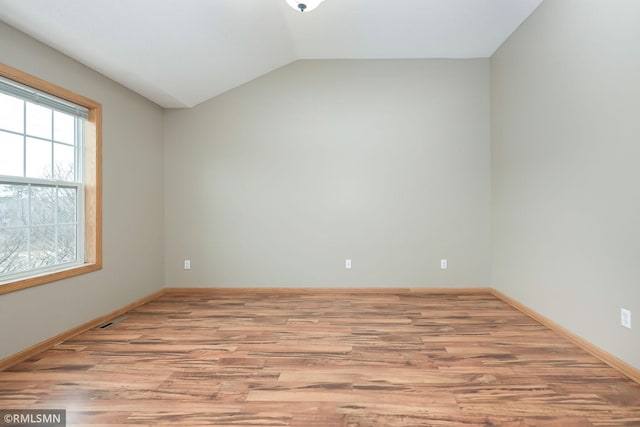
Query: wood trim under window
point(92, 158)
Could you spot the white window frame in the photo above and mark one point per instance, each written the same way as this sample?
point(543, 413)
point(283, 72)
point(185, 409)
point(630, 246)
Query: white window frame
point(88, 180)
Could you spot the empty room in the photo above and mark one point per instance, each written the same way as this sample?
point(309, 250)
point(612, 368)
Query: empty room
point(320, 213)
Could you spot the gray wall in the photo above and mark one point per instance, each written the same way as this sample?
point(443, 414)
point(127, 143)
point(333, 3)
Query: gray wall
point(277, 182)
point(132, 205)
point(565, 91)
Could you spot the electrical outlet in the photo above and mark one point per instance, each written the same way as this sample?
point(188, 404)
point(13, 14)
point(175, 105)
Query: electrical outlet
point(187, 264)
point(625, 318)
point(443, 264)
point(347, 264)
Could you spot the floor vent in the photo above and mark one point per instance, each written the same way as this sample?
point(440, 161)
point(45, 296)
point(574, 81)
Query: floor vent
point(112, 322)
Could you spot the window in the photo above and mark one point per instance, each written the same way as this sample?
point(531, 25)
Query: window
point(50, 208)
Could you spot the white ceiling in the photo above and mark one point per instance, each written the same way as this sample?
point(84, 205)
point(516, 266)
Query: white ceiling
point(179, 53)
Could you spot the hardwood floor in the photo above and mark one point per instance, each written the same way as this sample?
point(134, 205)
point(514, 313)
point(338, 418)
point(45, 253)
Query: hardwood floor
point(324, 359)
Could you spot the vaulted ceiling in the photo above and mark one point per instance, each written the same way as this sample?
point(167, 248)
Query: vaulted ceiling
point(179, 53)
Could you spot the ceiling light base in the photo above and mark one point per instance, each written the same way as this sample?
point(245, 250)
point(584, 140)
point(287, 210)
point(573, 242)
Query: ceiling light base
point(304, 5)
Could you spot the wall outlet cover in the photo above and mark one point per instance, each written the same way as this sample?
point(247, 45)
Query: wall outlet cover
point(625, 318)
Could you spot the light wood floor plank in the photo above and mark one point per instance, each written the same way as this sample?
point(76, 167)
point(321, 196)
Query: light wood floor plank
point(331, 358)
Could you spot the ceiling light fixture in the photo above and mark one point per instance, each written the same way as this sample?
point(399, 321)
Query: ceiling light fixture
point(304, 5)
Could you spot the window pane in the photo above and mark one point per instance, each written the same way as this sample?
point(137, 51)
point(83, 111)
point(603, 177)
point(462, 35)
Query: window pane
point(41, 184)
point(66, 205)
point(67, 243)
point(43, 205)
point(14, 205)
point(64, 127)
point(43, 246)
point(11, 154)
point(13, 250)
point(38, 121)
point(11, 113)
point(38, 158)
point(64, 159)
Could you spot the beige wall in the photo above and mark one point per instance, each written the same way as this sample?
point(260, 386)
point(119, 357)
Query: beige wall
point(133, 205)
point(277, 182)
point(566, 175)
